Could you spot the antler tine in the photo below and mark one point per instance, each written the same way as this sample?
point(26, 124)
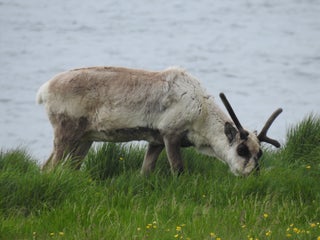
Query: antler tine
point(243, 133)
point(263, 134)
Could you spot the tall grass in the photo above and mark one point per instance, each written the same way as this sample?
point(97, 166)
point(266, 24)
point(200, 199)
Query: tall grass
point(109, 199)
point(303, 144)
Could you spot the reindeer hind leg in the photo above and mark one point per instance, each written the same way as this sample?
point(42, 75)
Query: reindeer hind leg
point(79, 153)
point(69, 140)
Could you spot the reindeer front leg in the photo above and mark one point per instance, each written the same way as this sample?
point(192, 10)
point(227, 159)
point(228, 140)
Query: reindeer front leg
point(150, 158)
point(172, 144)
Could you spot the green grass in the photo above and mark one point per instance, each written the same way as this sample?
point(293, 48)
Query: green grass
point(109, 199)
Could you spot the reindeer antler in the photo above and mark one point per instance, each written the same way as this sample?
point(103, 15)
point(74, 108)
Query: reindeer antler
point(263, 134)
point(243, 133)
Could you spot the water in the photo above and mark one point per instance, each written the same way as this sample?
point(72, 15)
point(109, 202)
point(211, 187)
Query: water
point(262, 54)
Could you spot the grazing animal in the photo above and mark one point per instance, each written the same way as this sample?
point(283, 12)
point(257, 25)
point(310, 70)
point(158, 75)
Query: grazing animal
point(168, 109)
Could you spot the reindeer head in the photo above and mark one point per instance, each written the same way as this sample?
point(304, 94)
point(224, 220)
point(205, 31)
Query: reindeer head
point(246, 146)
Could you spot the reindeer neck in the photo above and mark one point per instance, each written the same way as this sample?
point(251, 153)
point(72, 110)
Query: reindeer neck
point(208, 132)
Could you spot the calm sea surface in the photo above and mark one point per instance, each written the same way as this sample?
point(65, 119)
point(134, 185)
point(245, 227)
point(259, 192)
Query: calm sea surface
point(262, 54)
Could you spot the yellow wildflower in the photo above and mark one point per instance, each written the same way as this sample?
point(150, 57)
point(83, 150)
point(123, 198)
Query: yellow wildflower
point(265, 215)
point(176, 236)
point(52, 234)
point(213, 235)
point(121, 158)
point(308, 167)
point(296, 230)
point(61, 233)
point(313, 225)
point(288, 235)
point(268, 233)
point(178, 228)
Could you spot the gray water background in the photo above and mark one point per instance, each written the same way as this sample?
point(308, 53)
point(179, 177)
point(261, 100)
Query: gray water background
point(263, 54)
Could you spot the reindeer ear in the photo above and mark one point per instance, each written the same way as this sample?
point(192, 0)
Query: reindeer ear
point(230, 131)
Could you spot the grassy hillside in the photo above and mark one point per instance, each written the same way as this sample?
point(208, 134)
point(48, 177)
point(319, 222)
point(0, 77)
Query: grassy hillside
point(109, 199)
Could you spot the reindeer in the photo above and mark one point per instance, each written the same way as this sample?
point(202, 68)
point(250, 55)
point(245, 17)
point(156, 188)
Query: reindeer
point(168, 109)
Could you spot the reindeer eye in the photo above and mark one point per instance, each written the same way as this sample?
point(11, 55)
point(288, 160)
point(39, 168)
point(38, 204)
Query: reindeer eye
point(243, 150)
